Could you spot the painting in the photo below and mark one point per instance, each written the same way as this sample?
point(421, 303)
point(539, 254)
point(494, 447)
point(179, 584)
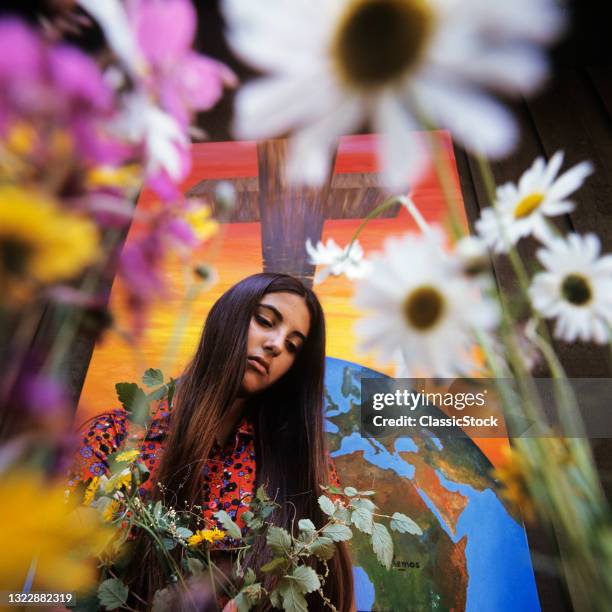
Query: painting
point(473, 554)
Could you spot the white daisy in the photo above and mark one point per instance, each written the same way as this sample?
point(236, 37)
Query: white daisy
point(472, 256)
point(335, 260)
point(522, 210)
point(421, 307)
point(575, 288)
point(331, 64)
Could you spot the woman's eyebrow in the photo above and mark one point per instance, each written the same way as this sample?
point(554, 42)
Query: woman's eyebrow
point(279, 316)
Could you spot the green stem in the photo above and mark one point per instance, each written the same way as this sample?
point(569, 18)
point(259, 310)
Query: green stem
point(388, 203)
point(211, 574)
point(447, 182)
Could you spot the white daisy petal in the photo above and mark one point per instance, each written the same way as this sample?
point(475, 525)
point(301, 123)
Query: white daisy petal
point(552, 169)
point(404, 158)
point(458, 50)
point(474, 119)
point(277, 104)
point(425, 314)
point(575, 289)
point(571, 180)
point(312, 146)
point(119, 34)
point(333, 260)
point(508, 69)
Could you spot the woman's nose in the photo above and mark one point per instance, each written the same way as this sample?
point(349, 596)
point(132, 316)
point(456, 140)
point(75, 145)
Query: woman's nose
point(272, 345)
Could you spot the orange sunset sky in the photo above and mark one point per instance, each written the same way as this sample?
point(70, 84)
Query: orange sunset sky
point(236, 253)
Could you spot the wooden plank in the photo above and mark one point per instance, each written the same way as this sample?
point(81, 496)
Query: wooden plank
point(569, 116)
point(578, 359)
point(601, 78)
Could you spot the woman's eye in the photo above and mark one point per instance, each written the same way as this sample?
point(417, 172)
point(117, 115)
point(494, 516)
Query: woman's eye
point(263, 321)
point(292, 348)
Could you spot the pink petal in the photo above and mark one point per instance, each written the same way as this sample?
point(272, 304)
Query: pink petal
point(78, 77)
point(20, 51)
point(165, 29)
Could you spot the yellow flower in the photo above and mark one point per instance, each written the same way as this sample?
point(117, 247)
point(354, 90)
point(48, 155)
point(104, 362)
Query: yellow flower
point(91, 491)
point(206, 535)
point(122, 479)
point(111, 509)
point(512, 476)
point(198, 218)
point(41, 242)
point(37, 522)
point(21, 138)
point(107, 176)
point(127, 456)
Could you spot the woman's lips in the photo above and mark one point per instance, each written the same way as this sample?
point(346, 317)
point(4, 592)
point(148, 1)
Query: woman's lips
point(258, 366)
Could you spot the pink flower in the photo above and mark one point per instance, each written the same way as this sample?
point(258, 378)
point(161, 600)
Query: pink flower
point(184, 80)
point(55, 88)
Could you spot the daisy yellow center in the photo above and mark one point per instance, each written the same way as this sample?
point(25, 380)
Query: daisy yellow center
point(14, 255)
point(528, 204)
point(423, 308)
point(378, 41)
point(576, 289)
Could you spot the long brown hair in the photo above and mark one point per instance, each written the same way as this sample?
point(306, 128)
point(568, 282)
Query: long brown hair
point(287, 417)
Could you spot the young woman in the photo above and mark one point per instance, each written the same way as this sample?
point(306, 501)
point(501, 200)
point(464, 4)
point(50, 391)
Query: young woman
point(247, 412)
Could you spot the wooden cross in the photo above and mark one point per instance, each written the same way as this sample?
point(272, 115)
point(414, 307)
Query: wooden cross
point(290, 215)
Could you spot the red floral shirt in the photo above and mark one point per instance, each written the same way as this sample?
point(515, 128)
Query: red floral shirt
point(229, 473)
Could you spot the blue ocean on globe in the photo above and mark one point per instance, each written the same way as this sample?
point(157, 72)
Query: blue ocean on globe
point(486, 546)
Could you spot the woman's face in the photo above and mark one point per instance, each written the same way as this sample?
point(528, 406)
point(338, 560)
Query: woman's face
point(277, 331)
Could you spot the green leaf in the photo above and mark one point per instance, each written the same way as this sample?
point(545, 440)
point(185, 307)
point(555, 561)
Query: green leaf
point(350, 491)
point(261, 494)
point(306, 525)
point(183, 532)
point(382, 544)
point(157, 510)
point(338, 532)
point(266, 511)
point(276, 564)
point(242, 602)
point(306, 578)
point(169, 543)
point(112, 594)
point(152, 377)
point(404, 524)
point(163, 600)
point(249, 577)
point(333, 489)
point(323, 547)
point(293, 599)
point(279, 540)
point(363, 503)
point(276, 599)
point(343, 514)
point(366, 492)
point(233, 531)
point(327, 505)
point(362, 519)
point(130, 395)
point(247, 516)
point(194, 566)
